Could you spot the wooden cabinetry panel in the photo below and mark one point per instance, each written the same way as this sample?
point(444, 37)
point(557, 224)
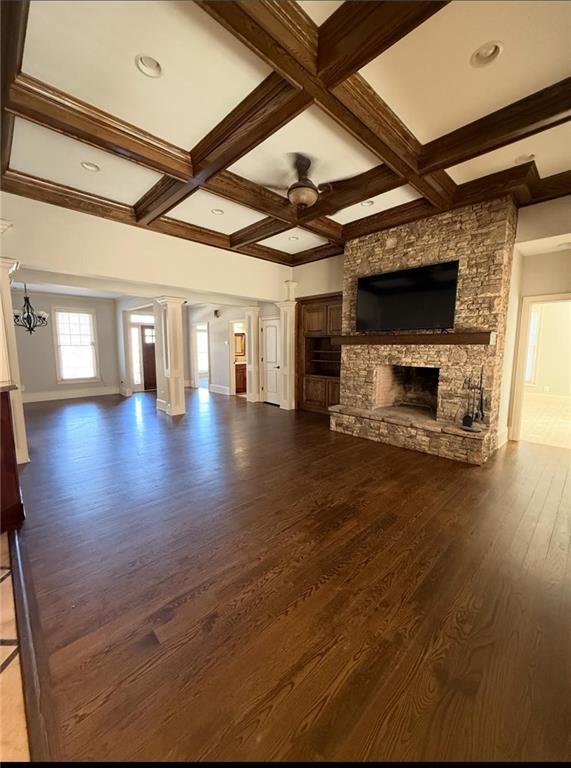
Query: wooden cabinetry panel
point(240, 378)
point(332, 392)
point(314, 391)
point(334, 319)
point(315, 318)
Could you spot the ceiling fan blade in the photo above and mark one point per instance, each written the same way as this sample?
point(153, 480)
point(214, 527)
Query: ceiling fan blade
point(302, 164)
point(329, 186)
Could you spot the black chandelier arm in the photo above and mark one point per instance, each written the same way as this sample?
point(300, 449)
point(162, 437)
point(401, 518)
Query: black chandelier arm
point(28, 318)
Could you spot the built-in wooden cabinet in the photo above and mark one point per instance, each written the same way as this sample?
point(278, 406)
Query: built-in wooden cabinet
point(318, 359)
point(240, 369)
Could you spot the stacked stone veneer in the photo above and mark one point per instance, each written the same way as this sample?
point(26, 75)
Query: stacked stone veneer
point(481, 238)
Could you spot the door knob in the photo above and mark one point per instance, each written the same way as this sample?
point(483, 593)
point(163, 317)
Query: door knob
point(277, 366)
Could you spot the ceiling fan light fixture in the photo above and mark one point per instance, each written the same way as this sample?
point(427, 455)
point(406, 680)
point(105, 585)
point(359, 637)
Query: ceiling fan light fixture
point(303, 193)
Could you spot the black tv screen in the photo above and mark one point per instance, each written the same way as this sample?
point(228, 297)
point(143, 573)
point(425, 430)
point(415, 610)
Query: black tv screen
point(412, 299)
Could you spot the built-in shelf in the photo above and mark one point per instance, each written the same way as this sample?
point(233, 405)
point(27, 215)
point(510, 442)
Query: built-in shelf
point(486, 338)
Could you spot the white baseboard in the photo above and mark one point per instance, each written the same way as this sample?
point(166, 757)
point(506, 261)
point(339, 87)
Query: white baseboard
point(125, 391)
point(219, 389)
point(68, 394)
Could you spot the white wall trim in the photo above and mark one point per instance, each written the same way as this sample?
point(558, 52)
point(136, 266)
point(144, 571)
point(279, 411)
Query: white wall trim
point(502, 436)
point(69, 394)
point(219, 389)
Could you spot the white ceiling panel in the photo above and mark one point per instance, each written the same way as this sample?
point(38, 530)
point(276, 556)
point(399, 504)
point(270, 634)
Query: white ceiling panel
point(88, 49)
point(334, 151)
point(552, 150)
point(427, 78)
point(382, 202)
point(50, 155)
point(294, 241)
point(320, 10)
point(197, 209)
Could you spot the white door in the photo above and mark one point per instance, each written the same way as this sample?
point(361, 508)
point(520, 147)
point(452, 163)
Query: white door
point(271, 360)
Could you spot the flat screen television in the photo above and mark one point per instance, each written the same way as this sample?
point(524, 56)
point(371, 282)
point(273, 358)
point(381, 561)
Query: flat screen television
point(409, 300)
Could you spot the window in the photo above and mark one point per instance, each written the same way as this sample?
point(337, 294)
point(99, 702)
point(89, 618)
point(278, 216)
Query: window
point(202, 347)
point(143, 319)
point(136, 357)
point(149, 335)
point(532, 340)
point(75, 345)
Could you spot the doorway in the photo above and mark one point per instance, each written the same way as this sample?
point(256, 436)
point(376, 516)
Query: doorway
point(148, 357)
point(270, 361)
point(238, 366)
point(543, 395)
point(202, 356)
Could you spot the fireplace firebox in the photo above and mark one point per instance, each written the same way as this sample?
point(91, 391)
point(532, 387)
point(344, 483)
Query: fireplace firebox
point(407, 386)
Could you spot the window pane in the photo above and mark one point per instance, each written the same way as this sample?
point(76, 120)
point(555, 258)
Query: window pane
point(76, 345)
point(145, 319)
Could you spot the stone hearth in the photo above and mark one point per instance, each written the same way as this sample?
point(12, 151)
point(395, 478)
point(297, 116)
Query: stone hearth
point(414, 395)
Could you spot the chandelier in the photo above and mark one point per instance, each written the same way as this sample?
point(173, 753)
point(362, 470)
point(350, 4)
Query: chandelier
point(27, 317)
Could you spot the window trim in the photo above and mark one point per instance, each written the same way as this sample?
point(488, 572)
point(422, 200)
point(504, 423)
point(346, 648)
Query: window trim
point(82, 311)
point(531, 382)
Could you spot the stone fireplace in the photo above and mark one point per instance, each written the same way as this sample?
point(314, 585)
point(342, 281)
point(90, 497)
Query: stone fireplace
point(415, 395)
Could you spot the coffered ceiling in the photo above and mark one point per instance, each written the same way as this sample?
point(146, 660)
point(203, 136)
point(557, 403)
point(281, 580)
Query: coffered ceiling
point(382, 96)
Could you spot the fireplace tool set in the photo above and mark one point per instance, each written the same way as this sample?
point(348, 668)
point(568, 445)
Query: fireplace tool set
point(474, 416)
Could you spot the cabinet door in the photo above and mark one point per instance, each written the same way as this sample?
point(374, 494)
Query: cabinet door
point(315, 318)
point(332, 395)
point(240, 378)
point(334, 319)
point(314, 392)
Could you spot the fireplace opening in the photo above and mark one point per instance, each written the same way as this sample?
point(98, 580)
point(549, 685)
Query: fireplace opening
point(407, 387)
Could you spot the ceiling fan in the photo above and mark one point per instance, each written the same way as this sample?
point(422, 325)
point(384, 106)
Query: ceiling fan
point(304, 193)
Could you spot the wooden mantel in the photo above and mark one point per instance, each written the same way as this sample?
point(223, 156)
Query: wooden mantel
point(487, 338)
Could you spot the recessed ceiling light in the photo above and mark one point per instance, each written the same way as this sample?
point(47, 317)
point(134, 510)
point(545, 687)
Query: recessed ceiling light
point(521, 159)
point(147, 65)
point(293, 237)
point(93, 167)
point(217, 211)
point(486, 53)
point(368, 203)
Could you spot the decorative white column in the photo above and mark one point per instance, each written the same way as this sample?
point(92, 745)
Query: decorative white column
point(253, 354)
point(9, 359)
point(287, 329)
point(169, 355)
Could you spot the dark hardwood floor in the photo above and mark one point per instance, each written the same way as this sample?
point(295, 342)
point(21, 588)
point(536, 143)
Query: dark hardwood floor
point(241, 583)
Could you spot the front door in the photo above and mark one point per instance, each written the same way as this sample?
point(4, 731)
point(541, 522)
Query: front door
point(271, 360)
point(148, 354)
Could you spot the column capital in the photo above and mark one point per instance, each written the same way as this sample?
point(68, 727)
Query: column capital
point(290, 303)
point(170, 300)
point(11, 265)
point(289, 288)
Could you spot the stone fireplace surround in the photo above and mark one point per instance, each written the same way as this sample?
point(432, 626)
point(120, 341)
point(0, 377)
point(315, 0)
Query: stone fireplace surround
point(481, 237)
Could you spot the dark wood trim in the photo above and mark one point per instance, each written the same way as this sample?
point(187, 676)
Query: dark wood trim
point(393, 217)
point(358, 32)
point(240, 190)
point(558, 185)
point(266, 109)
point(317, 253)
point(537, 112)
point(265, 253)
point(47, 106)
point(33, 661)
point(66, 197)
point(13, 23)
point(258, 231)
point(433, 339)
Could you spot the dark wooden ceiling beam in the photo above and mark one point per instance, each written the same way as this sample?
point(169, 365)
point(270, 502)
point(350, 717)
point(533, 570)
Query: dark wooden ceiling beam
point(258, 231)
point(360, 31)
point(550, 187)
point(13, 22)
point(375, 134)
point(316, 254)
point(266, 109)
point(32, 187)
point(47, 106)
point(233, 187)
point(537, 112)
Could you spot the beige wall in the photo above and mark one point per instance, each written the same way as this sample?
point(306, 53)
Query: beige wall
point(325, 276)
point(36, 351)
point(553, 364)
point(546, 273)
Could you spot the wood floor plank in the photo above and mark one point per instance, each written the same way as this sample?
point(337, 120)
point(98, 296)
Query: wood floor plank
point(243, 584)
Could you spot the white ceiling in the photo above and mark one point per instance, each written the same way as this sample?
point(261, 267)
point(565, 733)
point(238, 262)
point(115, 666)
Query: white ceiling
point(305, 241)
point(556, 244)
point(552, 150)
point(336, 154)
point(382, 202)
point(197, 209)
point(320, 10)
point(427, 79)
point(88, 49)
point(65, 290)
point(52, 156)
